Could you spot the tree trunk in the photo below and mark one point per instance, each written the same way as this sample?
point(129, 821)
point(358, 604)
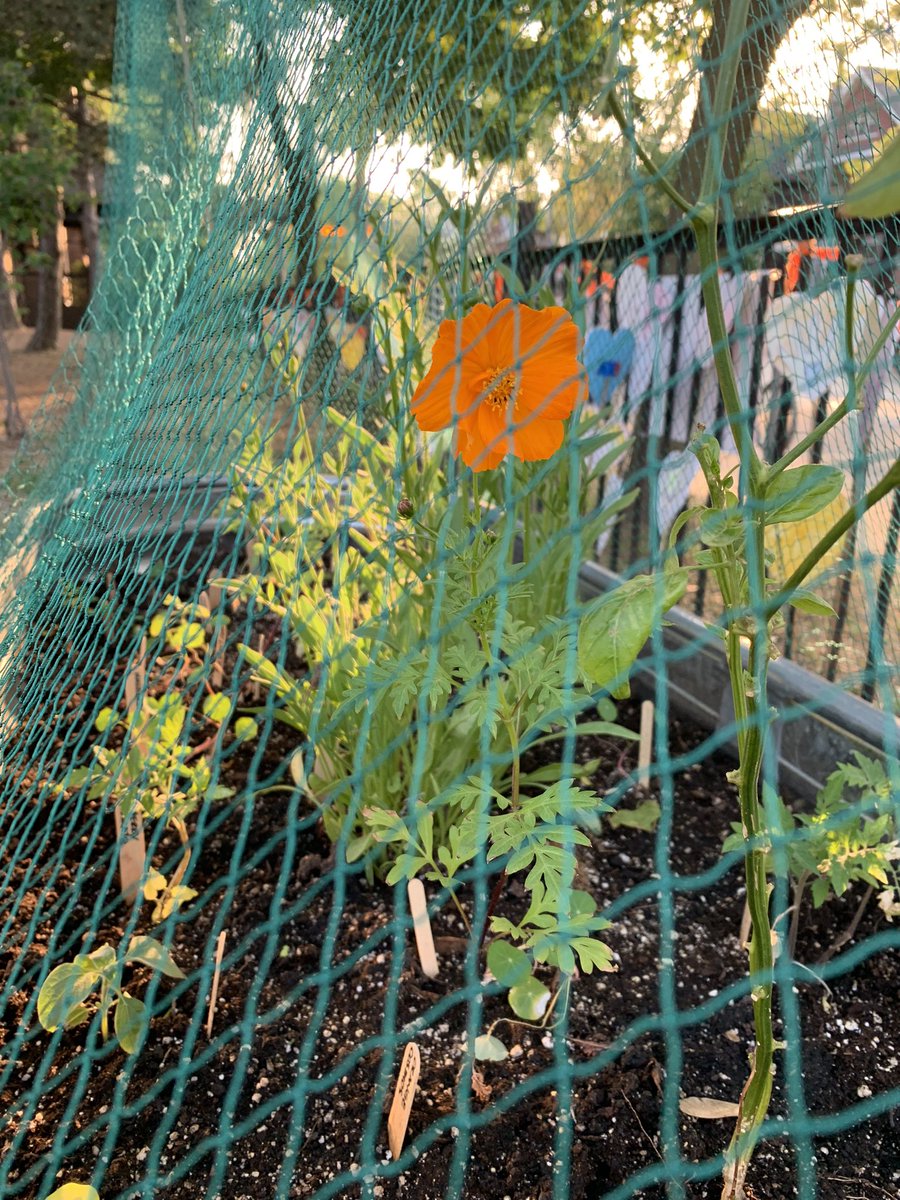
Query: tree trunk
point(301, 172)
point(15, 426)
point(768, 23)
point(9, 307)
point(86, 184)
point(48, 318)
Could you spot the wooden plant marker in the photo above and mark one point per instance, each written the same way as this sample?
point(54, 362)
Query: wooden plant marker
point(418, 907)
point(136, 679)
point(255, 689)
point(132, 852)
point(398, 1117)
point(213, 602)
point(645, 746)
point(214, 990)
point(133, 848)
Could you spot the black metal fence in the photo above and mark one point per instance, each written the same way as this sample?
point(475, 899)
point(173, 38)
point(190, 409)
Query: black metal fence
point(796, 252)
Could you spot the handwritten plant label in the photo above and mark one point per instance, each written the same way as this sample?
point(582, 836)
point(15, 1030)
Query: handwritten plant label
point(213, 603)
point(136, 679)
point(645, 748)
point(132, 851)
point(398, 1118)
point(418, 907)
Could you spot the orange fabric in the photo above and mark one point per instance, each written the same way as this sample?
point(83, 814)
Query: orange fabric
point(506, 378)
point(794, 261)
point(792, 271)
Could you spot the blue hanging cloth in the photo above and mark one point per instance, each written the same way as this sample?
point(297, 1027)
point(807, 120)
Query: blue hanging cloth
point(607, 360)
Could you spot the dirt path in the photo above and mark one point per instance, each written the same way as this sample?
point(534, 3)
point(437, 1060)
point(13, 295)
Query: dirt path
point(32, 373)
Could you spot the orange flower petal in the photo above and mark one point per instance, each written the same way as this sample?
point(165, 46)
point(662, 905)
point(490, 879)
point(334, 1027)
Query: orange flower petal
point(539, 346)
point(524, 332)
point(552, 398)
point(443, 394)
point(537, 440)
point(477, 453)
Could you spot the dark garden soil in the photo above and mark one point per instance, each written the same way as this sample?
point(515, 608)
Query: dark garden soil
point(236, 1089)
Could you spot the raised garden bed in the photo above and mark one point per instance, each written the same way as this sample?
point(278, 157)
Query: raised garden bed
point(164, 1108)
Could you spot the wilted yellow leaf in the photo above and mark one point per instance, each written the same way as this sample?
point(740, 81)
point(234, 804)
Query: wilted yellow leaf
point(707, 1109)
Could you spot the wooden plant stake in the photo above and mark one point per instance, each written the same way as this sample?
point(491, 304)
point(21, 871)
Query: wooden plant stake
point(214, 990)
point(255, 689)
point(418, 907)
point(132, 852)
point(645, 746)
point(133, 847)
point(213, 602)
point(398, 1118)
point(136, 679)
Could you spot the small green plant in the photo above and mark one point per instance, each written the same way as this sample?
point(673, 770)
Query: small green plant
point(156, 770)
point(66, 996)
point(846, 839)
point(332, 561)
point(527, 821)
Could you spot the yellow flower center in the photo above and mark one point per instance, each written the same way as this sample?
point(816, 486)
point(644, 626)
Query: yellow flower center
point(501, 388)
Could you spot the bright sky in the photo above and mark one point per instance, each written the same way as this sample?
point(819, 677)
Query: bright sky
point(805, 69)
point(809, 60)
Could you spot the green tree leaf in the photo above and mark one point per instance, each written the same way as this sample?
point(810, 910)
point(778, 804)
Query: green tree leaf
point(801, 492)
point(615, 628)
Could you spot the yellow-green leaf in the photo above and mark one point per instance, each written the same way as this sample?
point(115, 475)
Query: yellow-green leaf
point(74, 1191)
point(129, 1021)
point(615, 628)
point(877, 192)
point(801, 492)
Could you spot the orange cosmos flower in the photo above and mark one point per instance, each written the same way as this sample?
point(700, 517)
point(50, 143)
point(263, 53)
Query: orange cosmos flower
point(506, 377)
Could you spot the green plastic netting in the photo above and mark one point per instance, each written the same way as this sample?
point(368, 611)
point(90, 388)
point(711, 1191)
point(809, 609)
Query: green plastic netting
point(259, 619)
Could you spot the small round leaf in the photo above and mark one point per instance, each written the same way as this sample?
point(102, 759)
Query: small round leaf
point(489, 1049)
